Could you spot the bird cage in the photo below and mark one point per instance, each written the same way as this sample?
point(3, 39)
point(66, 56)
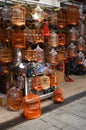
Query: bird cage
point(45, 29)
point(53, 56)
point(30, 35)
point(18, 39)
point(6, 13)
point(81, 44)
point(29, 55)
point(58, 96)
point(5, 55)
point(39, 38)
point(4, 69)
point(31, 106)
point(73, 15)
point(53, 79)
point(53, 39)
point(61, 19)
point(62, 39)
point(81, 28)
point(20, 82)
point(5, 35)
point(18, 15)
point(38, 14)
point(45, 80)
point(80, 58)
point(73, 34)
point(62, 55)
point(72, 50)
point(14, 99)
point(40, 54)
point(36, 83)
point(17, 56)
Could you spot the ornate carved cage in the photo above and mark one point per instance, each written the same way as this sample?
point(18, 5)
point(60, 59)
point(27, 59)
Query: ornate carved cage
point(18, 39)
point(18, 15)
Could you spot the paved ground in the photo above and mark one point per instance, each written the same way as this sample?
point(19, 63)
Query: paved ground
point(69, 117)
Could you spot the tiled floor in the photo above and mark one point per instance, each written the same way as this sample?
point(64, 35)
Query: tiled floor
point(69, 89)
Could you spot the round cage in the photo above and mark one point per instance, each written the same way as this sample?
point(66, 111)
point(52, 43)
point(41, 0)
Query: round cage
point(31, 106)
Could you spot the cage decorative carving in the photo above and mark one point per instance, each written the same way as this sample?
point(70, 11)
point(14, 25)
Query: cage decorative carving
point(29, 55)
point(30, 35)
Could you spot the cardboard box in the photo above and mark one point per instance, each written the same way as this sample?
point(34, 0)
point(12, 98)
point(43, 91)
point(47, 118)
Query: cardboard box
point(60, 76)
point(3, 100)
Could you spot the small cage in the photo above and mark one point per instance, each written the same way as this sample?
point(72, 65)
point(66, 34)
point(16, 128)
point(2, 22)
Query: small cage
point(53, 39)
point(53, 79)
point(73, 34)
point(61, 19)
point(6, 13)
point(73, 15)
point(5, 55)
point(5, 35)
point(81, 44)
point(40, 54)
point(14, 99)
point(62, 39)
point(53, 57)
point(36, 83)
point(58, 96)
point(45, 80)
point(72, 50)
